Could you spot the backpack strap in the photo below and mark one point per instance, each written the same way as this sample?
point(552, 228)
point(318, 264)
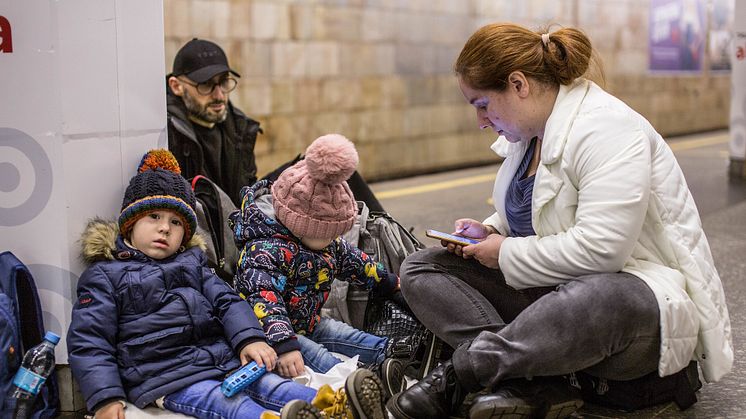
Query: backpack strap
point(195, 179)
point(353, 235)
point(214, 207)
point(18, 283)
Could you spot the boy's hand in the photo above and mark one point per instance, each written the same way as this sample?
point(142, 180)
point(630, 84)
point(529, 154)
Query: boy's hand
point(387, 287)
point(260, 352)
point(113, 410)
point(290, 364)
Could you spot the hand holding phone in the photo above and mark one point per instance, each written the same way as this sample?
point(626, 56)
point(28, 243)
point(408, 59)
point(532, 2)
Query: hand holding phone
point(450, 238)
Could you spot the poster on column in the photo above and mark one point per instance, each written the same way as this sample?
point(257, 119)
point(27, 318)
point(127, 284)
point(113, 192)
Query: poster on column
point(82, 100)
point(677, 35)
point(738, 86)
point(721, 34)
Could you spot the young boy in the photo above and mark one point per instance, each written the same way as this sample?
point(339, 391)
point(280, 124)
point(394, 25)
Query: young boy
point(292, 251)
point(154, 325)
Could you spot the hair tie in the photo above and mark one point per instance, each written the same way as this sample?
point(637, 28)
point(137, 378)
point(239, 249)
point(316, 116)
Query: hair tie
point(545, 39)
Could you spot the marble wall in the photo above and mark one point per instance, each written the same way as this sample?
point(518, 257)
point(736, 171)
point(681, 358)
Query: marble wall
point(380, 72)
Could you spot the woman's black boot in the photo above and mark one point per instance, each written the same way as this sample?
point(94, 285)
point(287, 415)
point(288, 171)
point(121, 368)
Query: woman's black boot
point(435, 396)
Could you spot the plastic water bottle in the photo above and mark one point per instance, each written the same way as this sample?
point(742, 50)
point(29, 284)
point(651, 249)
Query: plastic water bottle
point(37, 365)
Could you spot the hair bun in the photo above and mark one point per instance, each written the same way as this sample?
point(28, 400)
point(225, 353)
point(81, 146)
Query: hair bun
point(159, 159)
point(331, 159)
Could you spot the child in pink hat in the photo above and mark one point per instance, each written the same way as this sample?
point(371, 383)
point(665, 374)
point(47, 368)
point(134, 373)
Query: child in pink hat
point(290, 233)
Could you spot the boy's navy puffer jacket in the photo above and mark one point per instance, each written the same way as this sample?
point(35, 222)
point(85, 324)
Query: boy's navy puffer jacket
point(144, 328)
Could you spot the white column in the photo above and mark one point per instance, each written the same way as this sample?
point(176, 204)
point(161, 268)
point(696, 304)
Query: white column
point(82, 97)
point(738, 93)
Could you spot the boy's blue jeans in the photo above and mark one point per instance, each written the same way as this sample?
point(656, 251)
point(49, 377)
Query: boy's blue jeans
point(331, 335)
point(204, 399)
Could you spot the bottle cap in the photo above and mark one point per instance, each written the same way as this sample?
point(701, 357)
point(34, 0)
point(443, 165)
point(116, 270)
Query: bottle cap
point(52, 337)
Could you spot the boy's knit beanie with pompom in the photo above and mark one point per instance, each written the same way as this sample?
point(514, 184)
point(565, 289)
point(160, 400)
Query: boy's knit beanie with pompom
point(158, 185)
point(312, 198)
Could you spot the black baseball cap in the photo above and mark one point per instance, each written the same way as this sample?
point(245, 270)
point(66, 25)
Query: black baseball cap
point(201, 60)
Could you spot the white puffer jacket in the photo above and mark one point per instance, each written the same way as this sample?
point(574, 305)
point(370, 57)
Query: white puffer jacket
point(609, 196)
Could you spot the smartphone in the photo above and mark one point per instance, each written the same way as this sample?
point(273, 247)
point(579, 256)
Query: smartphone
point(463, 241)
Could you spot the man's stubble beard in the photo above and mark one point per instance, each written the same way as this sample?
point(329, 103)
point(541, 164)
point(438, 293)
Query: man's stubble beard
point(202, 112)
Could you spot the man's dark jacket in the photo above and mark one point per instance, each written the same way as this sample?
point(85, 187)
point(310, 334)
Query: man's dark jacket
point(239, 143)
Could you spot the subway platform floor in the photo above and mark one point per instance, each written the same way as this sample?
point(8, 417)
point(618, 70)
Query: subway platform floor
point(436, 200)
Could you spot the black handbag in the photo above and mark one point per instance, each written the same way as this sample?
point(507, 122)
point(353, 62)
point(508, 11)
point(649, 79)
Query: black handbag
point(383, 317)
point(409, 340)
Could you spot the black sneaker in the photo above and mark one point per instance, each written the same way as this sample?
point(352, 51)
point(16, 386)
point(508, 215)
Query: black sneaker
point(542, 397)
point(391, 372)
point(365, 395)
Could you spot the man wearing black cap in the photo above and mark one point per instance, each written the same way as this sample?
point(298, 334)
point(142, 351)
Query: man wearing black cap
point(206, 133)
point(211, 137)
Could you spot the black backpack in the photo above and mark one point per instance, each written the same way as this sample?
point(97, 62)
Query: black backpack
point(21, 328)
point(646, 391)
point(213, 207)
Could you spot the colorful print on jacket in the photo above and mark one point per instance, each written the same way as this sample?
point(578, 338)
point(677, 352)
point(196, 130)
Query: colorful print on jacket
point(285, 282)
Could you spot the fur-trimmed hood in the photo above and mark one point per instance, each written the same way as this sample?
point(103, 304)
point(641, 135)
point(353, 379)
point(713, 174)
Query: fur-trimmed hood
point(157, 326)
point(101, 240)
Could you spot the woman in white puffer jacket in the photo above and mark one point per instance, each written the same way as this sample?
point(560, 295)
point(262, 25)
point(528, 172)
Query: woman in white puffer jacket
point(594, 260)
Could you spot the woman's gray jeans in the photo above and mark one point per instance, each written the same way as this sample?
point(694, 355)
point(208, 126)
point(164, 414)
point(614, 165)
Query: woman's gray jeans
point(605, 324)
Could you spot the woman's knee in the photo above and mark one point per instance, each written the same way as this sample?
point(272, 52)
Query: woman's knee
point(415, 265)
point(623, 296)
point(427, 256)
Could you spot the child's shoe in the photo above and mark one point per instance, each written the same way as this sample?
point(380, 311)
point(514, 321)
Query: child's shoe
point(391, 373)
point(366, 395)
point(333, 404)
point(296, 409)
point(362, 398)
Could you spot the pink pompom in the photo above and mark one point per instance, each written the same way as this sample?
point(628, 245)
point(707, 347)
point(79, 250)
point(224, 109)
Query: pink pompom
point(331, 159)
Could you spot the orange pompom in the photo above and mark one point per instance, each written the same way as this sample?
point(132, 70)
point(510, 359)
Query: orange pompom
point(159, 158)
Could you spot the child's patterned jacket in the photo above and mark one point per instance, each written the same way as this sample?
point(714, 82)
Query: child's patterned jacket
point(285, 282)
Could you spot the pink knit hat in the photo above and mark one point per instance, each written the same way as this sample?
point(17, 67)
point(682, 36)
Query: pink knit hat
point(312, 198)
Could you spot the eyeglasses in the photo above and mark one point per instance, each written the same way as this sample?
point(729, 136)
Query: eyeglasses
point(226, 85)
